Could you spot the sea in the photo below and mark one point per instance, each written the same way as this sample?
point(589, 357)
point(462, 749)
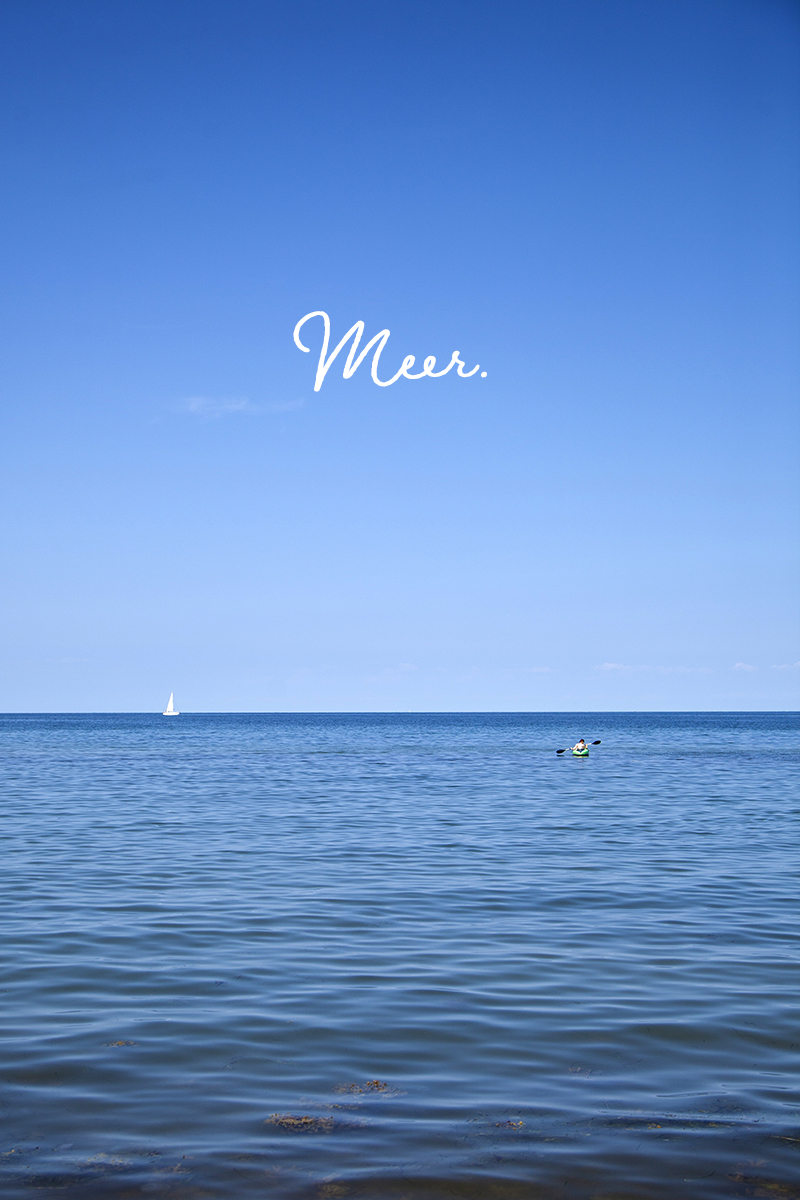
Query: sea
point(400, 956)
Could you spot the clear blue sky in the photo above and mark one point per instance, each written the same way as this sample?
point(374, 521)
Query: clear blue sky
point(595, 199)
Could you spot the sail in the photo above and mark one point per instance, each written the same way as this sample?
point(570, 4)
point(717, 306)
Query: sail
point(170, 707)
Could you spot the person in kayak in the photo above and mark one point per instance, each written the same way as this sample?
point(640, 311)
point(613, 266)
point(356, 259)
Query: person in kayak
point(580, 746)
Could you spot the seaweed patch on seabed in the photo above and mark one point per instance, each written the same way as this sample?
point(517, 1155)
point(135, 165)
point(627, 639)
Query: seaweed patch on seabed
point(370, 1087)
point(289, 1123)
point(486, 1125)
point(109, 1177)
point(308, 1123)
point(772, 1189)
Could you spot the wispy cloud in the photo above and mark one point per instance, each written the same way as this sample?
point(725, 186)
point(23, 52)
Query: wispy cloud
point(609, 666)
point(786, 666)
point(744, 667)
point(512, 671)
point(210, 408)
point(684, 670)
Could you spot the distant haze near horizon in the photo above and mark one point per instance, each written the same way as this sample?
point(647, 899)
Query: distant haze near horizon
point(595, 201)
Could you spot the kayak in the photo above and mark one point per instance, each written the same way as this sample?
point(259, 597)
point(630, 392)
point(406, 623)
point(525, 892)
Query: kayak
point(580, 753)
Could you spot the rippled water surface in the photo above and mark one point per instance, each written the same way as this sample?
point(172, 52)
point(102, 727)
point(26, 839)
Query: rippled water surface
point(400, 956)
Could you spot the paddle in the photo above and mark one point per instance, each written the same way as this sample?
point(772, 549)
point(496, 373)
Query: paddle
point(597, 743)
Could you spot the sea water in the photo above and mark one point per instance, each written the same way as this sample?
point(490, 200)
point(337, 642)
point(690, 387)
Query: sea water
point(403, 956)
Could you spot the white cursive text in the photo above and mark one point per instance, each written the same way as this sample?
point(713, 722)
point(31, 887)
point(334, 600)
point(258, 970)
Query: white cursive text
point(379, 342)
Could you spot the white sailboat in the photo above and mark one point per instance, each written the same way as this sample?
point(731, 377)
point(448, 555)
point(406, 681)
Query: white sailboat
point(170, 710)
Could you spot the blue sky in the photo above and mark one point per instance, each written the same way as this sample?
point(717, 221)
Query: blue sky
point(596, 201)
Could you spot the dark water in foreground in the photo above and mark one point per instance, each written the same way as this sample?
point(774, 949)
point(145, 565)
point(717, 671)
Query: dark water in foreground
point(400, 956)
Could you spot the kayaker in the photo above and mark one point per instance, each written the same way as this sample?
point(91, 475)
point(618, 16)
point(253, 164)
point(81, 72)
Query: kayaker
point(580, 746)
